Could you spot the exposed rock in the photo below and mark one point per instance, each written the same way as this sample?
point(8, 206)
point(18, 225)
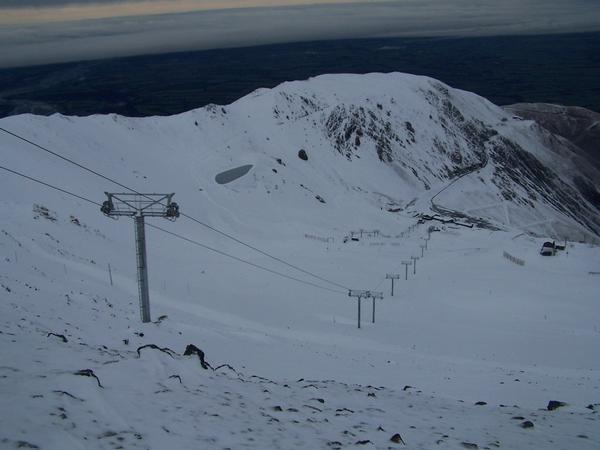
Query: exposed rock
point(89, 373)
point(302, 155)
point(397, 439)
point(60, 336)
point(166, 350)
point(469, 445)
point(526, 424)
point(555, 404)
point(191, 349)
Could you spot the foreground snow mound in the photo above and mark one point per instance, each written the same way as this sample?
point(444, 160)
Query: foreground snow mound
point(478, 338)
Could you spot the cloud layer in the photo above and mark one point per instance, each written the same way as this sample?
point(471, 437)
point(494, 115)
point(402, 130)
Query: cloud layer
point(60, 41)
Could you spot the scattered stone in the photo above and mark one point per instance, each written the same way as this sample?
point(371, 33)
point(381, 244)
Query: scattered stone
point(371, 394)
point(397, 439)
point(469, 445)
point(42, 211)
point(68, 395)
point(60, 336)
point(193, 350)
point(555, 404)
point(89, 373)
point(277, 408)
point(302, 155)
point(227, 366)
point(313, 408)
point(365, 442)
point(318, 197)
point(480, 403)
point(25, 444)
point(405, 388)
point(527, 424)
point(166, 350)
point(518, 418)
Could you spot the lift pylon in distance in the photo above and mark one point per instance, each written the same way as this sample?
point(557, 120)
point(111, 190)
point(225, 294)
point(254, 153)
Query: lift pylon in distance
point(140, 206)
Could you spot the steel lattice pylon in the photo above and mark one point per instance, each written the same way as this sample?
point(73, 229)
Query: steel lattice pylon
point(140, 206)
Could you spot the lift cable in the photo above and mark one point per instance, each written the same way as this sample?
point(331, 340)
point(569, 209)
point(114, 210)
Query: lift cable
point(187, 216)
point(64, 191)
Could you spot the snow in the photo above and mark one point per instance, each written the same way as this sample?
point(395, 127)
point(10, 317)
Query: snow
point(469, 326)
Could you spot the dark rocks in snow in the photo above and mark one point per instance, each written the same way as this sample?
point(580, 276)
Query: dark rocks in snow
point(280, 161)
point(407, 387)
point(397, 439)
point(480, 403)
point(318, 197)
point(175, 376)
point(365, 442)
point(469, 445)
point(526, 424)
point(68, 395)
point(60, 336)
point(160, 319)
point(89, 373)
point(227, 366)
point(166, 350)
point(302, 155)
point(191, 349)
point(555, 404)
point(25, 444)
point(42, 211)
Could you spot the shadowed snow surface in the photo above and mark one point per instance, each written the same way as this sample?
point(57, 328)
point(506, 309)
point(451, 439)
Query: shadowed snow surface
point(470, 326)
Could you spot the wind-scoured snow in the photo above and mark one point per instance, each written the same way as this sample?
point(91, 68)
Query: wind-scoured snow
point(470, 326)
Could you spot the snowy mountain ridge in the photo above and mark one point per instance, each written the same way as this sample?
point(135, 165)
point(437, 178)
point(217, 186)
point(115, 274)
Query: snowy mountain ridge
point(412, 134)
point(430, 134)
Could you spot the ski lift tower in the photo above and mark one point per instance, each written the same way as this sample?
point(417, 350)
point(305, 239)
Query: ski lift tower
point(140, 206)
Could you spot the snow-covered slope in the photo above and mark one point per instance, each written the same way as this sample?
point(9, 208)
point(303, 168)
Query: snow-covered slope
point(468, 326)
point(580, 126)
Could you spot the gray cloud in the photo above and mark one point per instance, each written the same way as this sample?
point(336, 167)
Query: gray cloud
point(50, 3)
point(91, 39)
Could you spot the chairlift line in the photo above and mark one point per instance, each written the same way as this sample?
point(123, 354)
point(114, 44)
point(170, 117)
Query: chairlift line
point(64, 191)
point(187, 216)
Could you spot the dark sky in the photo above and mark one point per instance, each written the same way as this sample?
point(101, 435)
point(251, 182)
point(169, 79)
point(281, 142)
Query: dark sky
point(48, 31)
